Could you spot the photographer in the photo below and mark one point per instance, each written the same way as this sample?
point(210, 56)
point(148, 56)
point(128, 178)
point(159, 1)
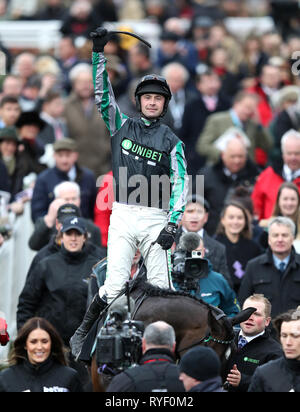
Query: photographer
point(157, 370)
point(193, 273)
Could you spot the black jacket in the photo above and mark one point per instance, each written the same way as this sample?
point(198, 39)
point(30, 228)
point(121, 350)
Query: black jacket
point(57, 291)
point(210, 385)
point(263, 277)
point(193, 121)
point(238, 255)
point(53, 247)
point(157, 371)
point(217, 186)
point(50, 376)
point(281, 375)
point(257, 352)
point(4, 178)
point(43, 191)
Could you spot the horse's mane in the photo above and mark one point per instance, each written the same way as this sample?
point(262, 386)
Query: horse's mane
point(155, 291)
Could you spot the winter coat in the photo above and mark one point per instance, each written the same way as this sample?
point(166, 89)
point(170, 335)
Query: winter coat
point(193, 121)
point(218, 123)
point(50, 376)
point(54, 247)
point(263, 277)
point(265, 191)
point(210, 385)
point(91, 136)
point(4, 178)
point(257, 352)
point(238, 255)
point(280, 375)
point(57, 291)
point(43, 191)
point(157, 371)
point(217, 185)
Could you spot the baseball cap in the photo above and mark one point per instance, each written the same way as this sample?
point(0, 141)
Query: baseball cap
point(200, 363)
point(74, 222)
point(67, 210)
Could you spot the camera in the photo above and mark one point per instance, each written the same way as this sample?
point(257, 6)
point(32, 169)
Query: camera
point(187, 269)
point(119, 344)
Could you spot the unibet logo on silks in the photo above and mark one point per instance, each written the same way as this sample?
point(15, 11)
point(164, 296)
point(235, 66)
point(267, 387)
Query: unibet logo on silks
point(139, 150)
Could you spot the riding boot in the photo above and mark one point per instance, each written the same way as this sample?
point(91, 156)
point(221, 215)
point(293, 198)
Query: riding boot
point(96, 307)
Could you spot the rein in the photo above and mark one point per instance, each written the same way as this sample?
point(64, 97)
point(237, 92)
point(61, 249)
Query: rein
point(206, 339)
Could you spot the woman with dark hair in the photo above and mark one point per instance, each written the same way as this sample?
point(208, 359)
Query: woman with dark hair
point(287, 205)
point(235, 233)
point(38, 363)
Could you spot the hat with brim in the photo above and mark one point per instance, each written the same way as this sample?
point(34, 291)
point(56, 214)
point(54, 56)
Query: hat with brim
point(30, 118)
point(74, 223)
point(9, 134)
point(65, 144)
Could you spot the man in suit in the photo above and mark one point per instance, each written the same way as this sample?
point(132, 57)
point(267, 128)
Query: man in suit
point(66, 168)
point(196, 112)
point(240, 116)
point(255, 345)
point(276, 273)
point(194, 218)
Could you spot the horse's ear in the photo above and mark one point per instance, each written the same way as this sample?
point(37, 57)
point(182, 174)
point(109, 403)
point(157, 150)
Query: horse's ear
point(242, 316)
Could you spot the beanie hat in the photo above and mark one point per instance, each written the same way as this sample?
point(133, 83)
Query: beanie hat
point(200, 363)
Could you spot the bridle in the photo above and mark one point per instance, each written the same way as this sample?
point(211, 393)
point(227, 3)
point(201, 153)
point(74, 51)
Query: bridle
point(206, 339)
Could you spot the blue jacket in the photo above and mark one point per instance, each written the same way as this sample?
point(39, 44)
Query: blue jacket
point(43, 191)
point(215, 290)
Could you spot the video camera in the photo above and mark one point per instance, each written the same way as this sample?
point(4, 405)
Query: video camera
point(188, 266)
point(119, 342)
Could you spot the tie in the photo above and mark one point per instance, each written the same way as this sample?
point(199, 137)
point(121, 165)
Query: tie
point(282, 267)
point(242, 342)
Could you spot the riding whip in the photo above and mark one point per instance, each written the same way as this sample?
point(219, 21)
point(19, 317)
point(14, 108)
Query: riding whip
point(128, 33)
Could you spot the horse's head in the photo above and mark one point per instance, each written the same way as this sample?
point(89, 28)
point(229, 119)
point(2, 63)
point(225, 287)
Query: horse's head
point(221, 333)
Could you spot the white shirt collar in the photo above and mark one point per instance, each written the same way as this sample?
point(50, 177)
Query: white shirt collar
point(250, 338)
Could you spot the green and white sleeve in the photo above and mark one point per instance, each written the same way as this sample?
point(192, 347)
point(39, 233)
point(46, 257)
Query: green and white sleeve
point(104, 95)
point(179, 183)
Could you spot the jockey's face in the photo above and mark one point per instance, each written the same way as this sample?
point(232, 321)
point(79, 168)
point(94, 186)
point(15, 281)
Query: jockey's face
point(152, 105)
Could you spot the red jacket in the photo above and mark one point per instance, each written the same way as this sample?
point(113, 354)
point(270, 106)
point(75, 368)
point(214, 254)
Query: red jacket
point(4, 337)
point(264, 108)
point(103, 206)
point(265, 192)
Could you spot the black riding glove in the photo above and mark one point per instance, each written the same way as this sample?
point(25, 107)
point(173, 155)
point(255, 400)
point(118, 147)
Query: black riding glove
point(167, 236)
point(100, 38)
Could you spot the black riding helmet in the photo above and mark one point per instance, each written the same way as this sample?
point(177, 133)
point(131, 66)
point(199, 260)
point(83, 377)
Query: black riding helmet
point(153, 84)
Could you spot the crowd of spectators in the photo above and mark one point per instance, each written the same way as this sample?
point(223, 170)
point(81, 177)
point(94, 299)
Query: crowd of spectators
point(236, 107)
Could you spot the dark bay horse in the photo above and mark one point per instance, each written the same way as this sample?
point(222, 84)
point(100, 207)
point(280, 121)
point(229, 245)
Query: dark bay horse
point(194, 321)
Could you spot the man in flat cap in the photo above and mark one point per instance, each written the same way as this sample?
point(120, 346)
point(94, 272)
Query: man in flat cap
point(12, 161)
point(66, 169)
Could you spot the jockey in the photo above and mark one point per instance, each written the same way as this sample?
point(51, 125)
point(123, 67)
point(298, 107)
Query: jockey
point(142, 149)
